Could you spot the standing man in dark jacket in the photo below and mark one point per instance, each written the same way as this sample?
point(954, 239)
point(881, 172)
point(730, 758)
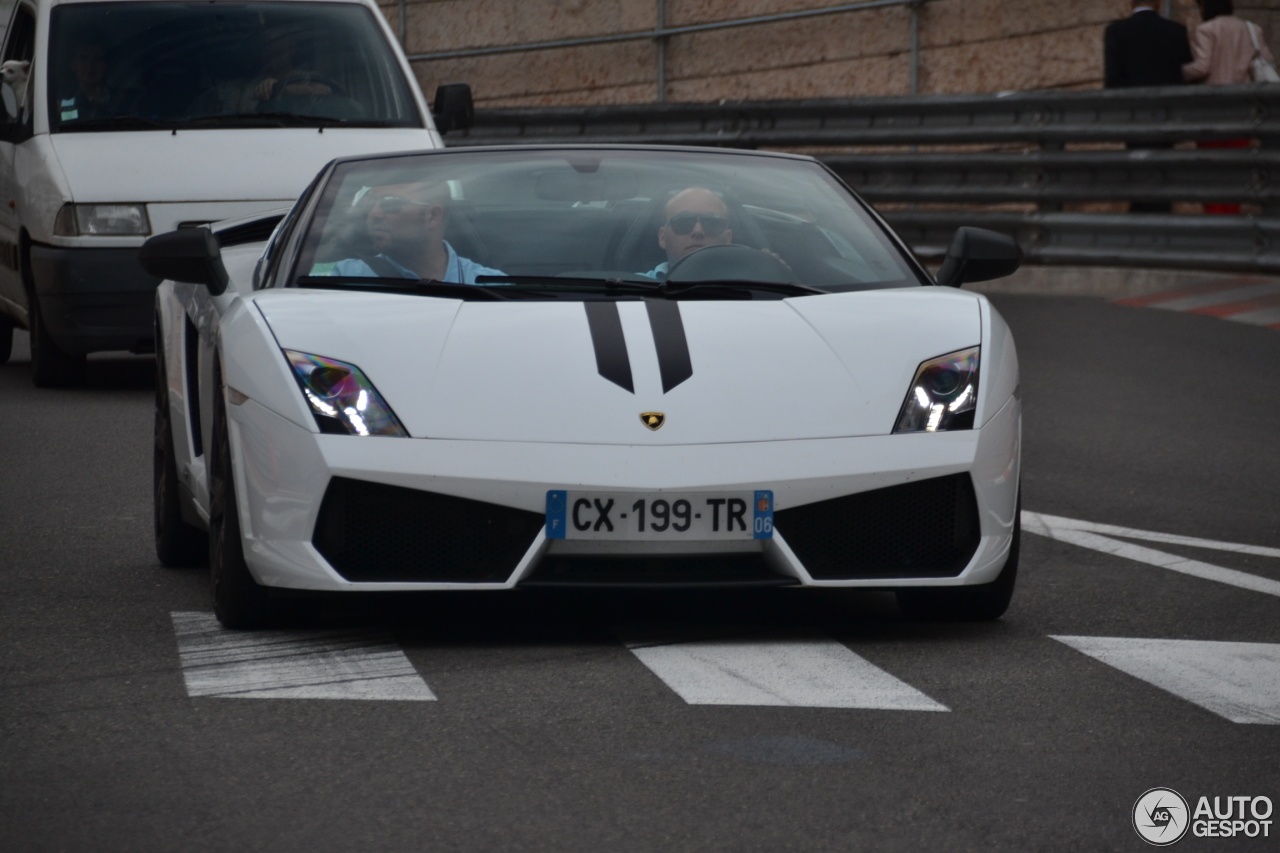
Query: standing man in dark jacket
point(1145, 49)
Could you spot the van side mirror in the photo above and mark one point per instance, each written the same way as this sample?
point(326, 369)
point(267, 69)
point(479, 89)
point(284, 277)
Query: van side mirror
point(453, 108)
point(188, 254)
point(977, 254)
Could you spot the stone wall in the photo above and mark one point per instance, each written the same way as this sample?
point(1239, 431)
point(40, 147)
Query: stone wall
point(965, 46)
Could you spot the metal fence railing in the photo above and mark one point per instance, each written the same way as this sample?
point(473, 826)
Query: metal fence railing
point(1039, 148)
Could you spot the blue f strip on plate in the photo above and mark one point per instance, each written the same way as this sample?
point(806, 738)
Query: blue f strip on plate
point(556, 500)
point(764, 515)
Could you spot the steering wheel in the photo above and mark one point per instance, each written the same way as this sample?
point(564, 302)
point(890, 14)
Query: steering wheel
point(731, 262)
point(277, 91)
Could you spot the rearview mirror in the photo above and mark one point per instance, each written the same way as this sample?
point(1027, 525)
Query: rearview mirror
point(977, 254)
point(188, 254)
point(453, 108)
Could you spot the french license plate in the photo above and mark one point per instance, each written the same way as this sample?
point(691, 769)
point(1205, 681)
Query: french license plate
point(678, 516)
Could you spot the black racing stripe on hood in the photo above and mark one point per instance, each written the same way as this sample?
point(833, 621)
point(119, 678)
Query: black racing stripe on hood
point(610, 345)
point(668, 336)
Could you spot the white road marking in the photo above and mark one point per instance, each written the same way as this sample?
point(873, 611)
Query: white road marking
point(1239, 294)
point(774, 668)
point(1260, 317)
point(1046, 525)
point(293, 664)
point(1058, 522)
point(1239, 681)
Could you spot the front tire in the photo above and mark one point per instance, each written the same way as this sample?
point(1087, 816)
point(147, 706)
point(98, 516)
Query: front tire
point(177, 543)
point(238, 600)
point(981, 603)
point(51, 366)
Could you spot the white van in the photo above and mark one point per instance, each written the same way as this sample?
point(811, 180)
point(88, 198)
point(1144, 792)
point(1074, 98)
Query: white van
point(135, 117)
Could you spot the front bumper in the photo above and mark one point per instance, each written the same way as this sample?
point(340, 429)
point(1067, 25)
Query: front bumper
point(94, 299)
point(284, 471)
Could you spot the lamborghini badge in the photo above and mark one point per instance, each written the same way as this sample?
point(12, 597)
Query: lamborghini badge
point(653, 420)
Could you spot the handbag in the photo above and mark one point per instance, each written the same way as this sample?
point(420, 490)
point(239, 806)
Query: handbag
point(1259, 69)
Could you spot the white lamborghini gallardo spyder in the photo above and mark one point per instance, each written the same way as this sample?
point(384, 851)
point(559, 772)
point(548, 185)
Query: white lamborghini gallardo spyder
point(625, 366)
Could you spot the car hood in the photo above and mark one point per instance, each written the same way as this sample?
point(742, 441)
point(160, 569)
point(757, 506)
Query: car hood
point(811, 367)
point(244, 164)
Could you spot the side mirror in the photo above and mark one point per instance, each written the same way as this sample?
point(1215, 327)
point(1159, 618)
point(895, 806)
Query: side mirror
point(188, 254)
point(977, 254)
point(453, 108)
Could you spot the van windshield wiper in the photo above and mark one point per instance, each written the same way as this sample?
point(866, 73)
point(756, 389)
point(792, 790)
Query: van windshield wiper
point(282, 119)
point(415, 286)
point(124, 122)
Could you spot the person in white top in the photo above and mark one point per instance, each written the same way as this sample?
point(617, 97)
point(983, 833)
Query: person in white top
point(1223, 49)
point(1223, 46)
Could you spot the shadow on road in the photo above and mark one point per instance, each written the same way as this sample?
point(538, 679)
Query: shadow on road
point(107, 371)
point(574, 616)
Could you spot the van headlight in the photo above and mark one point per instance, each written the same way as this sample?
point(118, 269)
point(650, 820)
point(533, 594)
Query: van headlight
point(943, 396)
point(341, 398)
point(102, 220)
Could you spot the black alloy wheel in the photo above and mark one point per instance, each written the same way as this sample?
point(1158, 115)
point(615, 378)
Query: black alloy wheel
point(981, 603)
point(177, 542)
point(238, 601)
point(51, 366)
point(6, 338)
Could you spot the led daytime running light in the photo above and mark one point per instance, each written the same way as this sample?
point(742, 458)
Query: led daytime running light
point(943, 395)
point(341, 398)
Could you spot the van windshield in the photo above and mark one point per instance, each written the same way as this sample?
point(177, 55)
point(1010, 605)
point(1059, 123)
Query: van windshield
point(131, 66)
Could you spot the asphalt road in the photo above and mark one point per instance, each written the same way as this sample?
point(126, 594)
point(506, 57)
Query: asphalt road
point(548, 733)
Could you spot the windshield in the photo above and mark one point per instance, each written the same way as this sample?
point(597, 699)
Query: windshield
point(128, 66)
point(577, 218)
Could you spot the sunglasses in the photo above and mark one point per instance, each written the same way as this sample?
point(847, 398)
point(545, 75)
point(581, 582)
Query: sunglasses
point(393, 204)
point(713, 225)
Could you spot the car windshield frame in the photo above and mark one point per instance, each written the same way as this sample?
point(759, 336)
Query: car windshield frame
point(908, 270)
point(258, 64)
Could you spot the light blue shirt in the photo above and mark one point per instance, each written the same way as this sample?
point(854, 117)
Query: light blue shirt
point(659, 272)
point(458, 270)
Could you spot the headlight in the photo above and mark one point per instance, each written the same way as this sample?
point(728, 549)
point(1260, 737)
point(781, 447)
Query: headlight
point(102, 220)
point(342, 399)
point(943, 395)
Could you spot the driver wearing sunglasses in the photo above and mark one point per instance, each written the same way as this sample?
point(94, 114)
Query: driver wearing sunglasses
point(694, 218)
point(406, 228)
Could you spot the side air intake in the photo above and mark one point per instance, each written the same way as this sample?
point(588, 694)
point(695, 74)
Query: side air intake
point(925, 529)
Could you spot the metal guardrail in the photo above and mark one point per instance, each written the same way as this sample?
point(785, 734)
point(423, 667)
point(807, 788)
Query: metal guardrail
point(1042, 171)
point(1054, 177)
point(1229, 243)
point(1160, 115)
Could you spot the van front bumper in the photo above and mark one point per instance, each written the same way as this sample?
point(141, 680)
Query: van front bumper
point(95, 299)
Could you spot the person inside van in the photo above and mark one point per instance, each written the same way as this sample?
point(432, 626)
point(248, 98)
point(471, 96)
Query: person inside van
point(91, 99)
point(694, 218)
point(405, 227)
point(279, 76)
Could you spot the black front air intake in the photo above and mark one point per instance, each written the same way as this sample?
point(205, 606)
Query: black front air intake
point(925, 529)
point(372, 532)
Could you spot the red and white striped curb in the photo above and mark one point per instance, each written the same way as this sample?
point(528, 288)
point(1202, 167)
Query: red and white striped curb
point(1254, 301)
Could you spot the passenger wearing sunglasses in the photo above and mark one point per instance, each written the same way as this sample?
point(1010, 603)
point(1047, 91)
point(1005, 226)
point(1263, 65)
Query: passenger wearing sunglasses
point(406, 227)
point(694, 218)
